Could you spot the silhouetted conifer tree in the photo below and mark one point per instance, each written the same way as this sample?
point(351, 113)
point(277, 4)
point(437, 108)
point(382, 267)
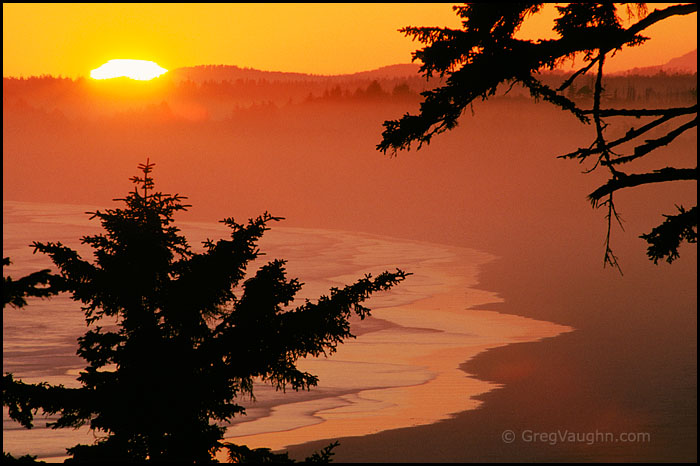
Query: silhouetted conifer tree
point(485, 54)
point(191, 334)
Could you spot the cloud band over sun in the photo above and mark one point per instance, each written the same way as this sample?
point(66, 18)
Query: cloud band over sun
point(141, 70)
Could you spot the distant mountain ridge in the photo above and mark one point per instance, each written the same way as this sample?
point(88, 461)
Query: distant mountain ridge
point(687, 63)
point(232, 73)
point(684, 64)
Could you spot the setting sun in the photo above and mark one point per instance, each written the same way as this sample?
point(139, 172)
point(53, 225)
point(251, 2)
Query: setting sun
point(142, 70)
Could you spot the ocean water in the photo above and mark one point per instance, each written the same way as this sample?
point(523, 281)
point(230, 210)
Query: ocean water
point(402, 370)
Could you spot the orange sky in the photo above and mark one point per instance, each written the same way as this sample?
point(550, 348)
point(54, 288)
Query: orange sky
point(72, 39)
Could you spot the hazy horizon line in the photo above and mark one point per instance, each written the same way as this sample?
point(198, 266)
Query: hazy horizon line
point(245, 68)
point(321, 75)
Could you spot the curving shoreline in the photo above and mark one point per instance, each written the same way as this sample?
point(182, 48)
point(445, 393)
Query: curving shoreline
point(630, 366)
point(435, 334)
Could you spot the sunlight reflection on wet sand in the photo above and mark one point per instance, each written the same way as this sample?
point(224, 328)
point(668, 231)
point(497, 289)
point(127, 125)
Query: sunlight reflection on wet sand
point(457, 335)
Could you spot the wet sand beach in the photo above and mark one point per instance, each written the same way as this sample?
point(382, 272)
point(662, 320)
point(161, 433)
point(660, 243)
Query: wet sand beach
point(629, 368)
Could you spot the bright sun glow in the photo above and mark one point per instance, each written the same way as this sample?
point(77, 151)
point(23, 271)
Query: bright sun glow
point(143, 70)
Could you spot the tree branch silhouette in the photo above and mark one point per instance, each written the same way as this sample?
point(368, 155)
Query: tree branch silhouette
point(484, 54)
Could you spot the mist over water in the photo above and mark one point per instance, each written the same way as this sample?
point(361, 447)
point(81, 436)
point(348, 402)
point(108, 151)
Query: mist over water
point(313, 160)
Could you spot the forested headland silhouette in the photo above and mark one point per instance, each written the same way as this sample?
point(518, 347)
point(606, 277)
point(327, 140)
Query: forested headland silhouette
point(220, 92)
